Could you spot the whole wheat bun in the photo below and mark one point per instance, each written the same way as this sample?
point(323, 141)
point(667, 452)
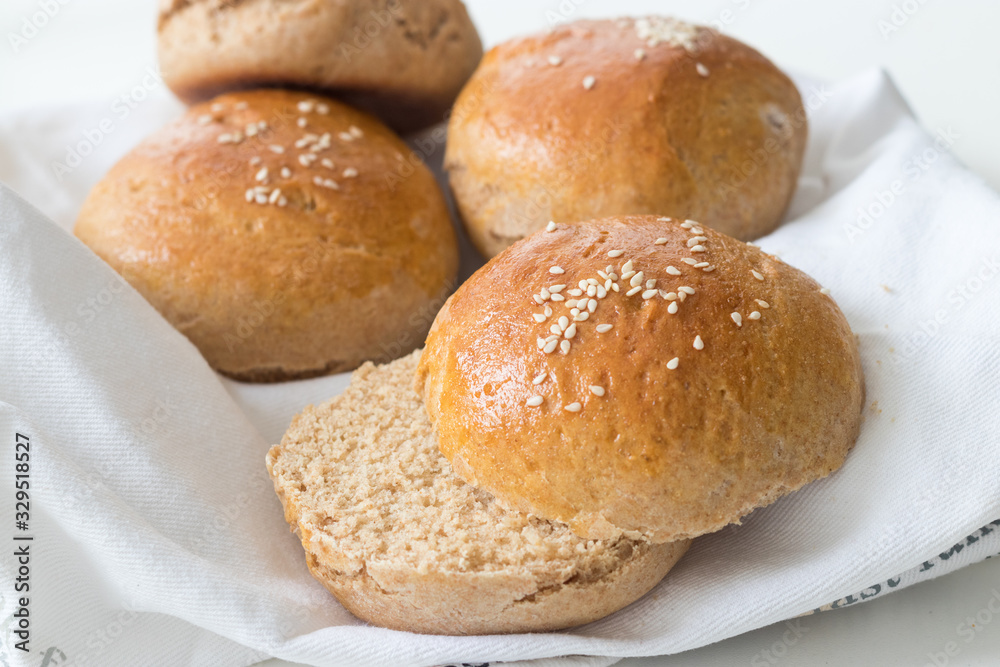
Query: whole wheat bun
point(665, 413)
point(280, 251)
point(402, 60)
point(404, 543)
point(645, 116)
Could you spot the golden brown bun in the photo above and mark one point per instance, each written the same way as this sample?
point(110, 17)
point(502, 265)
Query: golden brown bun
point(528, 143)
point(402, 60)
point(683, 440)
point(404, 543)
point(307, 281)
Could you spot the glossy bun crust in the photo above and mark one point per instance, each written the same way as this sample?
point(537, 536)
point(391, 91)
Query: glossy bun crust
point(680, 120)
point(280, 251)
point(402, 60)
point(631, 428)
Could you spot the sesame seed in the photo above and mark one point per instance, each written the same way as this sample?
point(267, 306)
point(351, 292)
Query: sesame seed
point(709, 269)
point(596, 390)
point(615, 253)
point(301, 122)
point(573, 407)
point(305, 106)
point(550, 347)
point(649, 294)
point(323, 109)
point(282, 201)
point(218, 107)
point(634, 290)
point(564, 347)
point(583, 284)
point(825, 290)
point(556, 330)
point(651, 283)
point(672, 308)
point(545, 293)
point(615, 287)
point(636, 279)
point(240, 106)
point(540, 378)
point(702, 70)
point(603, 328)
point(350, 172)
point(699, 344)
point(539, 317)
point(225, 138)
point(275, 195)
point(627, 275)
point(555, 61)
point(250, 194)
point(592, 305)
point(582, 317)
point(327, 162)
point(627, 266)
point(304, 160)
point(602, 290)
point(205, 119)
point(539, 300)
point(681, 296)
point(286, 172)
point(692, 262)
point(251, 130)
point(757, 275)
point(670, 296)
point(551, 227)
point(563, 323)
point(534, 401)
point(673, 363)
point(700, 265)
point(695, 240)
point(556, 288)
point(557, 270)
point(591, 290)
point(685, 289)
point(576, 292)
point(355, 131)
point(660, 241)
point(589, 82)
point(255, 160)
point(687, 224)
point(763, 304)
point(276, 149)
point(640, 54)
point(665, 219)
point(755, 315)
point(262, 125)
point(698, 248)
point(260, 198)
point(737, 318)
point(548, 311)
point(326, 183)
point(558, 297)
point(570, 331)
point(261, 175)
point(345, 136)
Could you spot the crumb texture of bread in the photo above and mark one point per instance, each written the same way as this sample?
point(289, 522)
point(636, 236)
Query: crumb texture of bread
point(402, 60)
point(404, 542)
point(285, 234)
point(624, 117)
point(643, 376)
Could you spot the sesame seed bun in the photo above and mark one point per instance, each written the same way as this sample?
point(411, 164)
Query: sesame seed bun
point(659, 410)
point(280, 251)
point(600, 118)
point(404, 543)
point(402, 60)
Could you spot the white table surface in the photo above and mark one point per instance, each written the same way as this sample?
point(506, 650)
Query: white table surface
point(944, 57)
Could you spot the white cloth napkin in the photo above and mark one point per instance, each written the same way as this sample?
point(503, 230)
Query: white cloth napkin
point(157, 538)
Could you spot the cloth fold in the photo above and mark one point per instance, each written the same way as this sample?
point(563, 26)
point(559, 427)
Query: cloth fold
point(157, 538)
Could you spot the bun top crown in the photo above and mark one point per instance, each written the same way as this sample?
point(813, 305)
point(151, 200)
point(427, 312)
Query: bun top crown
point(641, 376)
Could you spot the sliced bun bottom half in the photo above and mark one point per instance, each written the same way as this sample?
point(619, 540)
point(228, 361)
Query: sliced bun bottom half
point(404, 543)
